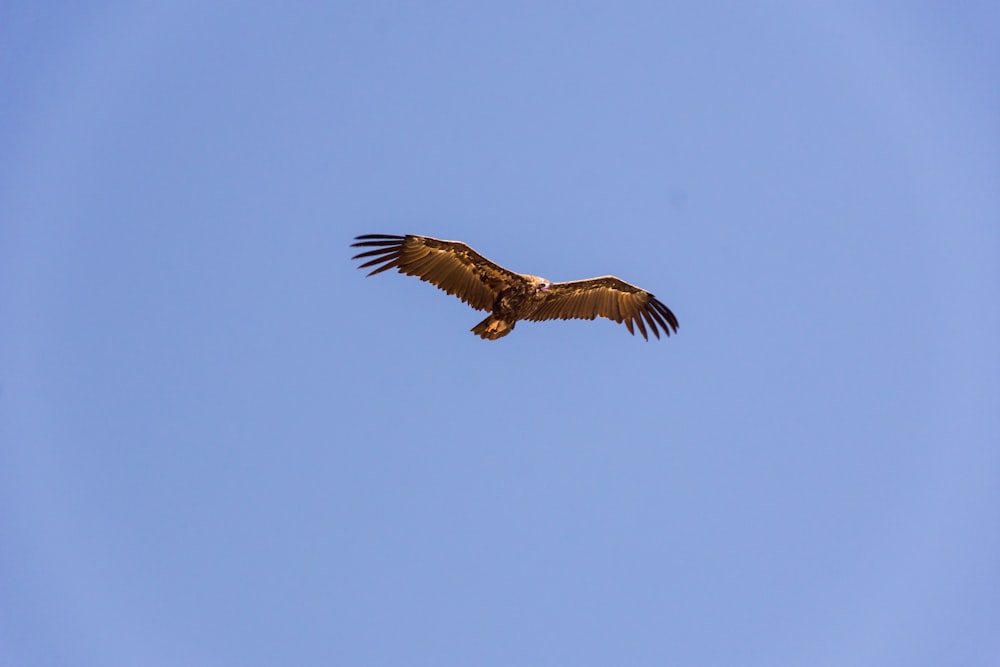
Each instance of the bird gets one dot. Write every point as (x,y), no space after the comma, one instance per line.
(510,297)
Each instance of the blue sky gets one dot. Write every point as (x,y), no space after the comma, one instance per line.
(221,444)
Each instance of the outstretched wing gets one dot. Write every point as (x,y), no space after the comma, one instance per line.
(450,265)
(608,297)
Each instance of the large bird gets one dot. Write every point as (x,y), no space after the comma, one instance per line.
(459,270)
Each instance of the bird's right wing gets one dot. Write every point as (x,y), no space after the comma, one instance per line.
(608,297)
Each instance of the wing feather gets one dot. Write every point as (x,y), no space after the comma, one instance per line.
(642,327)
(449,265)
(650,322)
(608,297)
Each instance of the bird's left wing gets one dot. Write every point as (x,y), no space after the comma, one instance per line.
(608,297)
(450,265)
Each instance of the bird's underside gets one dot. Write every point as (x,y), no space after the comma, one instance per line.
(459,270)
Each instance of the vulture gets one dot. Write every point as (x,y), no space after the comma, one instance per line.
(459,270)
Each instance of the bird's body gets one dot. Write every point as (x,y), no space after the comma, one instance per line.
(459,270)
(511,305)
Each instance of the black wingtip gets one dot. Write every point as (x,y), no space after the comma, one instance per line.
(372,237)
(665,316)
(386,253)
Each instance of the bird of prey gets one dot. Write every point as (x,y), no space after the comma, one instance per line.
(459,270)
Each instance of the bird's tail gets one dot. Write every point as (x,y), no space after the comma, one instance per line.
(492,328)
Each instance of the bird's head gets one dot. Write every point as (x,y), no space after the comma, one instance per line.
(541,284)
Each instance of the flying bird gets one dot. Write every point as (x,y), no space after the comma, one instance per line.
(459,270)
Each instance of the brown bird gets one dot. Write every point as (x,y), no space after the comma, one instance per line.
(458,269)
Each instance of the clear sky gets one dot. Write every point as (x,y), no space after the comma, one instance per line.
(221,444)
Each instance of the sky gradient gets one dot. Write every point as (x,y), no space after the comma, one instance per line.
(221,444)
